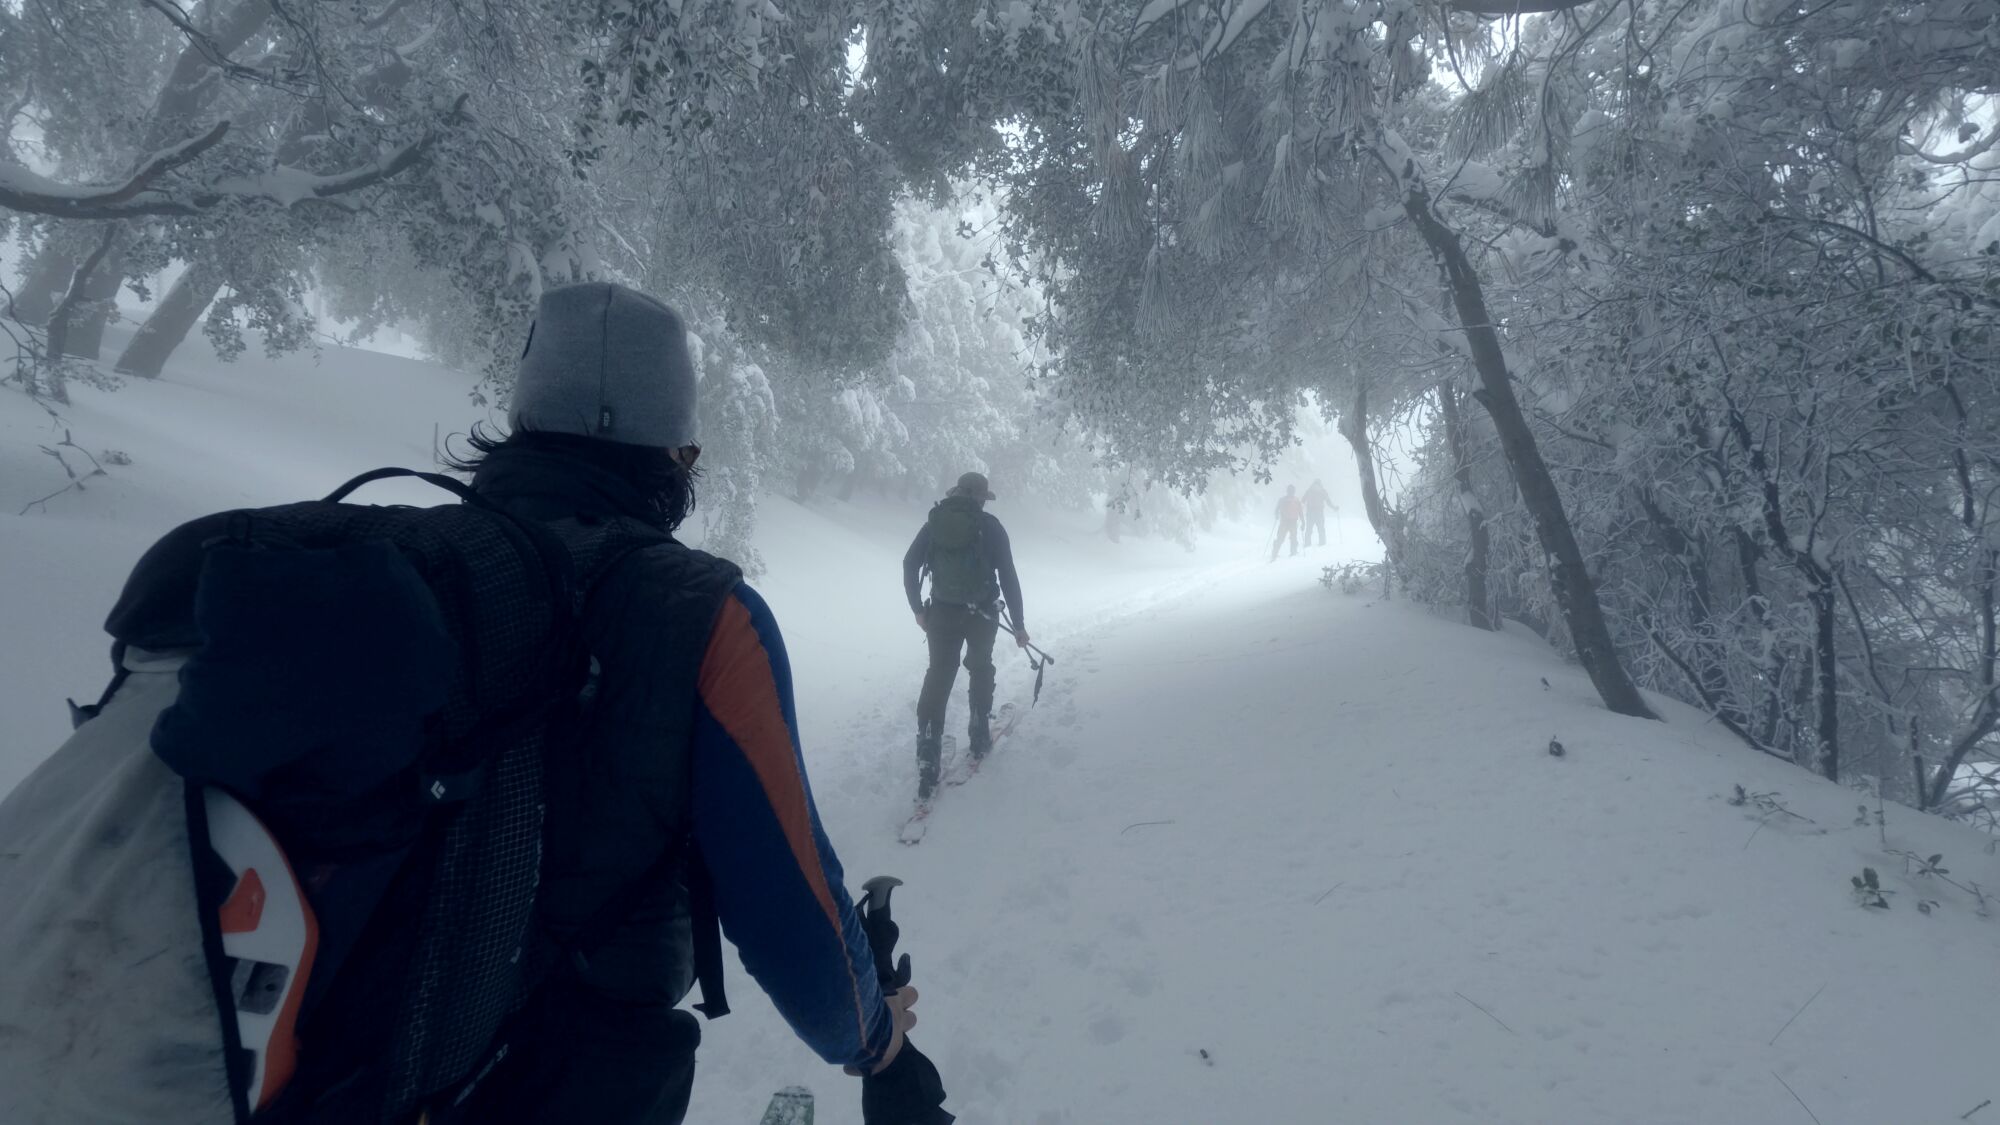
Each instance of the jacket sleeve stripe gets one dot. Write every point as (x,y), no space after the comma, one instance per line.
(745,690)
(739,690)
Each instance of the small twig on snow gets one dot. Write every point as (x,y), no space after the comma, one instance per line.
(1328,891)
(1798,1099)
(1142,824)
(1967,1115)
(1489,1015)
(1800,1012)
(75,481)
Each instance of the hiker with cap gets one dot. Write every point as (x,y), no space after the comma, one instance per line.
(687,800)
(965,551)
(1317,500)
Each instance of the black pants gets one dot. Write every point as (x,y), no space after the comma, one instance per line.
(956,630)
(1315,521)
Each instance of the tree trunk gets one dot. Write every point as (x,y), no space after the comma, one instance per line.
(1984,716)
(187,93)
(1827,668)
(47,279)
(85,335)
(171,319)
(1987,580)
(1574,591)
(1353,426)
(59,321)
(1478,606)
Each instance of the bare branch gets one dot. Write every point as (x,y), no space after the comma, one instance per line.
(1713,706)
(201,40)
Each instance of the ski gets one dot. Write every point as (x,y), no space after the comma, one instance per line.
(792,1105)
(919,821)
(955,769)
(1003,722)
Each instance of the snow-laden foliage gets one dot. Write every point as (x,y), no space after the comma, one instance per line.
(955,394)
(1758,329)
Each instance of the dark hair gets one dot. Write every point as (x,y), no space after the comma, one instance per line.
(666,488)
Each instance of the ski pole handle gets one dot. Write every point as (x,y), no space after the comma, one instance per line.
(880,926)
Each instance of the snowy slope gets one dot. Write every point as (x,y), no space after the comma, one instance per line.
(1323,840)
(1320,839)
(205,436)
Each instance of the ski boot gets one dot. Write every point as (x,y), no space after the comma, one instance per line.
(979,736)
(930,747)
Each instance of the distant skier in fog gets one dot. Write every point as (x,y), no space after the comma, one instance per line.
(1316,499)
(971,564)
(1289,511)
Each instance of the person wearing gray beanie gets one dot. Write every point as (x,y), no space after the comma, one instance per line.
(607,362)
(645,856)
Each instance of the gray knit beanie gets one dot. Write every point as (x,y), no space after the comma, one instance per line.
(604,361)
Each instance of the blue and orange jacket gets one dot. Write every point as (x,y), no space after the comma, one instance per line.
(778,885)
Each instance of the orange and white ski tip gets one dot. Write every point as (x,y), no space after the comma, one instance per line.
(270,935)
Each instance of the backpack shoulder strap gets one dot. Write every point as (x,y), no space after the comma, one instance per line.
(452,485)
(930,545)
(602,549)
(707,937)
(705,923)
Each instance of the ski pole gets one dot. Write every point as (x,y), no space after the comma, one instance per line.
(1030,649)
(882,932)
(909,1091)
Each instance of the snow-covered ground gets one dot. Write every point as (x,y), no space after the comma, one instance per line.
(1262,852)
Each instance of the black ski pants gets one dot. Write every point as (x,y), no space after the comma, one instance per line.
(956,630)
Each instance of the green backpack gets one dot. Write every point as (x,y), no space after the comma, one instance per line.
(960,571)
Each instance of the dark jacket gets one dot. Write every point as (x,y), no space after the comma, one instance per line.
(692,738)
(999,555)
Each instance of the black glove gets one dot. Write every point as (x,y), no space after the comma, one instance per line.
(907,1092)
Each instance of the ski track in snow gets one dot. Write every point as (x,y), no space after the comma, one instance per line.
(1317,837)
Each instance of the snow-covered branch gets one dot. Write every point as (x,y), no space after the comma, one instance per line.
(143,194)
(1515,7)
(23,190)
(1977,148)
